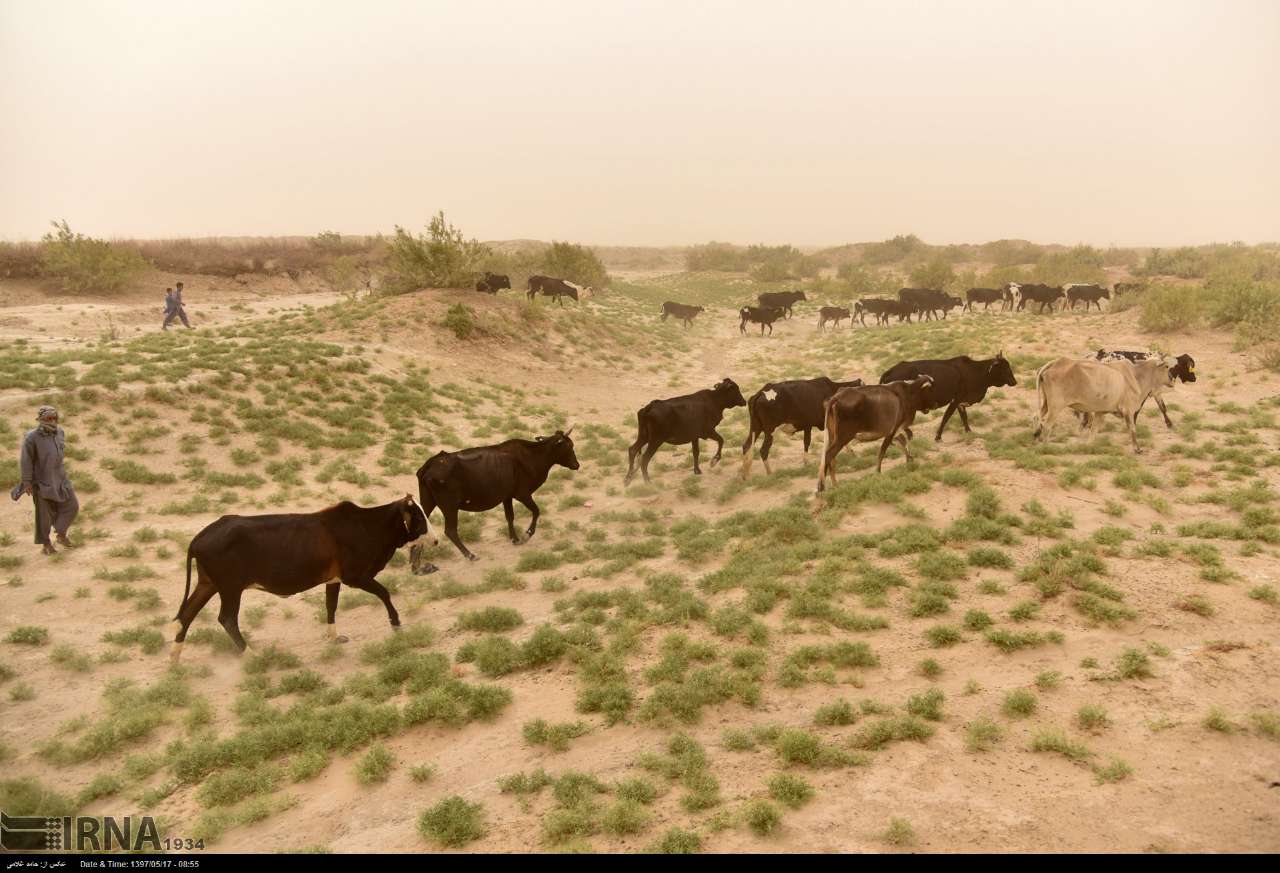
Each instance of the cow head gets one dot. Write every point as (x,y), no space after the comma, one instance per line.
(1185,369)
(728,393)
(799,295)
(561,447)
(415,520)
(923,384)
(571,291)
(999,373)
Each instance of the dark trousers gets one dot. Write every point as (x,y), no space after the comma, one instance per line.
(57,514)
(177,313)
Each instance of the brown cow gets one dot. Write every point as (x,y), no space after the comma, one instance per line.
(1094,387)
(834,314)
(287,554)
(871,412)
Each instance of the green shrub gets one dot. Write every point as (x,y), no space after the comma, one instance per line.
(452,822)
(442,258)
(461,319)
(1169,308)
(84,264)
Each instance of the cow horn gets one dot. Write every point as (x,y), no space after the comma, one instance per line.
(570,430)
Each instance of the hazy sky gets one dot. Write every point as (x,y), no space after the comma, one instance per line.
(647,122)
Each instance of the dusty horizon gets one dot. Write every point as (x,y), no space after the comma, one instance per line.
(1133,124)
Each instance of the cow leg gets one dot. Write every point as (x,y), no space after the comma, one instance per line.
(884,447)
(376,588)
(187,614)
(902,440)
(808,439)
(451,531)
(964,418)
(946,416)
(229,616)
(747,454)
(533,511)
(697,471)
(765,447)
(631,460)
(649,452)
(1163,410)
(719,440)
(331,608)
(1133,431)
(509,511)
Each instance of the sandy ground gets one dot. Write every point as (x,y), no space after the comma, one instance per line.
(1192,789)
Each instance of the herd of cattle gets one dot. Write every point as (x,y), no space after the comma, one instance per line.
(548,286)
(347,544)
(923,303)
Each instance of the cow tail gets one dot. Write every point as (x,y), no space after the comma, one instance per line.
(1041,393)
(828,431)
(186,593)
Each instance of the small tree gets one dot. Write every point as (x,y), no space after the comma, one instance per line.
(442,258)
(83,264)
(936,273)
(576,263)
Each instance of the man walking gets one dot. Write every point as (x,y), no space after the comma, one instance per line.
(173,307)
(45,479)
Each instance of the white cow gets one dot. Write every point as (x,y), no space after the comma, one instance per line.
(1094,387)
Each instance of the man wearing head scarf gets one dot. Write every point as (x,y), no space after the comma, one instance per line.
(45,479)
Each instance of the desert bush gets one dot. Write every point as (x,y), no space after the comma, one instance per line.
(576,263)
(83,264)
(461,319)
(442,258)
(1168,308)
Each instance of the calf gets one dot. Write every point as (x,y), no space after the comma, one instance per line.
(479,479)
(492,283)
(287,554)
(958,383)
(782,299)
(834,314)
(1184,370)
(1045,295)
(680,420)
(985,296)
(1089,294)
(794,405)
(1092,387)
(761,315)
(867,413)
(681,311)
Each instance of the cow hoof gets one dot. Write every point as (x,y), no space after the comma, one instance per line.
(396,628)
(473,557)
(340,639)
(425,569)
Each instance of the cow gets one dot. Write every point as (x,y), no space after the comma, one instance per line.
(1184,370)
(794,405)
(985,296)
(478,479)
(761,315)
(882,309)
(548,286)
(924,301)
(287,554)
(949,303)
(492,283)
(782,299)
(1128,288)
(1094,387)
(958,383)
(1089,294)
(680,420)
(682,311)
(1008,298)
(834,314)
(867,413)
(1045,295)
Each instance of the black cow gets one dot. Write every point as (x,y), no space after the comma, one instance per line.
(985,296)
(1184,371)
(548,286)
(782,299)
(925,301)
(957,382)
(1045,295)
(479,479)
(834,314)
(761,315)
(287,554)
(492,283)
(1089,294)
(795,405)
(950,303)
(1128,287)
(682,311)
(680,420)
(882,309)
